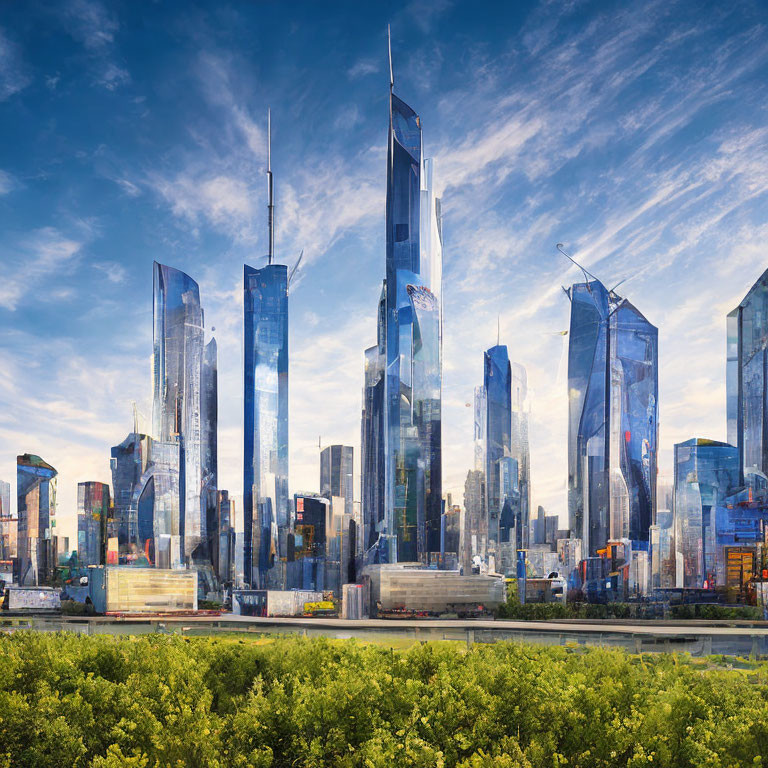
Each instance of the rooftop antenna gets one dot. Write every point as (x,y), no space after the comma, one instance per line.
(389,46)
(135,418)
(586,274)
(270,190)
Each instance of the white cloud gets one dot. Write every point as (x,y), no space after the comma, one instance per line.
(35,257)
(7,183)
(14,76)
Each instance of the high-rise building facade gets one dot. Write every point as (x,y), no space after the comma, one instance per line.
(93,506)
(520,448)
(747,383)
(706,471)
(146,480)
(410,342)
(497,381)
(475,515)
(373,455)
(8,524)
(184,382)
(613,418)
(36,495)
(265,484)
(336,474)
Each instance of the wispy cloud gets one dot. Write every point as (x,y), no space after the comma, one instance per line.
(7,183)
(46,251)
(14,75)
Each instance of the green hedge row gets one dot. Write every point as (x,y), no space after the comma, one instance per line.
(512,609)
(167,701)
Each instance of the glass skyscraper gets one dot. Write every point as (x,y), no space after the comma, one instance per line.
(747,375)
(497,382)
(705,474)
(613,418)
(265,484)
(8,524)
(92,514)
(146,481)
(410,343)
(184,403)
(336,474)
(520,448)
(36,494)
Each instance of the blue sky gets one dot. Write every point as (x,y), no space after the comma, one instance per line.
(636,134)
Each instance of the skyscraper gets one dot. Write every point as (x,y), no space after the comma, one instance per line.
(266,505)
(705,473)
(372,451)
(36,494)
(520,448)
(497,382)
(747,383)
(336,467)
(612,418)
(8,524)
(92,514)
(475,516)
(146,481)
(181,412)
(410,335)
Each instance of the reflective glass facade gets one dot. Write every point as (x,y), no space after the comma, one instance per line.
(92,515)
(266,512)
(184,382)
(497,382)
(412,334)
(336,468)
(8,524)
(520,448)
(613,418)
(705,473)
(146,480)
(36,496)
(747,374)
(373,456)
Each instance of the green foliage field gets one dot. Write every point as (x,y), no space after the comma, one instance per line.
(68,700)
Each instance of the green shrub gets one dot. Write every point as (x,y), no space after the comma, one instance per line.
(101,701)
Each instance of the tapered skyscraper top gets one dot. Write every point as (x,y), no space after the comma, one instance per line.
(270,191)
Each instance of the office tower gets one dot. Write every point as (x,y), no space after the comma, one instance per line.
(519,446)
(662,546)
(210,418)
(705,473)
(372,453)
(36,496)
(480,413)
(475,517)
(146,481)
(266,505)
(336,463)
(497,381)
(747,393)
(93,505)
(8,524)
(410,345)
(181,410)
(307,557)
(224,545)
(612,420)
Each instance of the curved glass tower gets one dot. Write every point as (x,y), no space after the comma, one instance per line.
(412,346)
(36,495)
(265,483)
(706,471)
(613,418)
(184,382)
(747,382)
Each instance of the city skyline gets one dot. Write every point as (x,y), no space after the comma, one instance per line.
(210,221)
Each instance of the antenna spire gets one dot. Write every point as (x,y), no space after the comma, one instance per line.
(270,190)
(585,272)
(389,46)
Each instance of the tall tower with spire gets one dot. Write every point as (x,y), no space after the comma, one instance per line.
(408,358)
(266,511)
